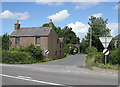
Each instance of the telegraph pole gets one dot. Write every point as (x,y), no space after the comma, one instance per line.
(90,37)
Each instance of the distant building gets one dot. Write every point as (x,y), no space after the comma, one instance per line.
(44,37)
(117,41)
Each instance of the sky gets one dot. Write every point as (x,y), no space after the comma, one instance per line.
(71,14)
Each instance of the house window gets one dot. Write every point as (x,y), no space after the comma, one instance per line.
(60,45)
(37,40)
(17,40)
(57,41)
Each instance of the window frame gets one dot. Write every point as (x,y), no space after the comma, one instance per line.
(17,40)
(37,40)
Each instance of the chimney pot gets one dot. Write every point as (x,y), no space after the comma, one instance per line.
(17,25)
(51,23)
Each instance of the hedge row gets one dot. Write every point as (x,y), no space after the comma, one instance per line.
(15,57)
(35,52)
(27,55)
(113,58)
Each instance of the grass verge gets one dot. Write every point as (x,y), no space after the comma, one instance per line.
(90,63)
(49,60)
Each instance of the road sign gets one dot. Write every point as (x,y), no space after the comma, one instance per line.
(47,51)
(105,41)
(106,52)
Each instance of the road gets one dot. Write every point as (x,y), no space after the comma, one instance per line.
(62,73)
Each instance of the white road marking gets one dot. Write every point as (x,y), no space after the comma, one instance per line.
(49,83)
(24,77)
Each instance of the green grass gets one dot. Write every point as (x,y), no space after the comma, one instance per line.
(50,60)
(90,63)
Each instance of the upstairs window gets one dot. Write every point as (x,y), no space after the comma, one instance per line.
(60,45)
(37,40)
(17,40)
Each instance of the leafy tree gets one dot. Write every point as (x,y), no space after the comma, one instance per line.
(57,29)
(99,29)
(5,42)
(67,50)
(83,45)
(70,36)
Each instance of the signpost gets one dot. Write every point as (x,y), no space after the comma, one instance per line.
(105,42)
(105,52)
(46,52)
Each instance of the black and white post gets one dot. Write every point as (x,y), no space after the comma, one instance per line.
(105,52)
(105,42)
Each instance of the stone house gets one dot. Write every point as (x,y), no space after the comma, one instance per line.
(44,37)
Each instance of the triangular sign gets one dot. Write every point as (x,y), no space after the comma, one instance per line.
(105,41)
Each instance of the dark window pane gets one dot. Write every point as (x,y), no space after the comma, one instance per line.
(17,40)
(37,40)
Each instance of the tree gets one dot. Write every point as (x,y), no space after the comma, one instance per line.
(67,48)
(99,29)
(66,32)
(5,42)
(70,36)
(83,45)
(57,29)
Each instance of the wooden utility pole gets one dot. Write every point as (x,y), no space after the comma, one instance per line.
(90,37)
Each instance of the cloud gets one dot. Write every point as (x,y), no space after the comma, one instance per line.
(117,6)
(114,28)
(9,15)
(79,28)
(50,3)
(84,5)
(60,16)
(96,15)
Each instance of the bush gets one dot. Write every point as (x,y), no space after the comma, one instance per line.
(35,52)
(0,55)
(99,58)
(67,50)
(114,57)
(91,50)
(15,57)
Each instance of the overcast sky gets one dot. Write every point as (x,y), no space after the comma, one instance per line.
(72,14)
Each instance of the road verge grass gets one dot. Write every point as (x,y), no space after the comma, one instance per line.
(90,61)
(45,60)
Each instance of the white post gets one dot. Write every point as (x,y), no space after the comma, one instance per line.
(105,59)
(105,47)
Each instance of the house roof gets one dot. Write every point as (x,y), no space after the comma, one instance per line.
(33,31)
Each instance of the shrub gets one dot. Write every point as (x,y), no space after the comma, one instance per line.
(15,57)
(114,57)
(91,50)
(0,55)
(67,50)
(35,52)
(99,58)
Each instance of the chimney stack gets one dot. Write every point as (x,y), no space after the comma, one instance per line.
(51,23)
(17,25)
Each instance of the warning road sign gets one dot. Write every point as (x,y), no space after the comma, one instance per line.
(105,41)
(105,51)
(47,51)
